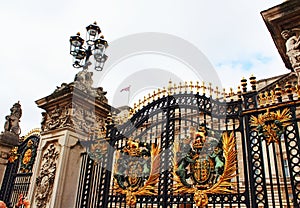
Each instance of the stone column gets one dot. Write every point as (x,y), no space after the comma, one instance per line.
(72,112)
(7,143)
(10,137)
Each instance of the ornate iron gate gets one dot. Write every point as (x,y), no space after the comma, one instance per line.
(18,172)
(273,147)
(185,149)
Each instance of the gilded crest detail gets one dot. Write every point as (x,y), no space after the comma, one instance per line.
(137,170)
(13,154)
(204,164)
(270,125)
(28,157)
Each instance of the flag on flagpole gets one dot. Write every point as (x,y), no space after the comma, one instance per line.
(126,89)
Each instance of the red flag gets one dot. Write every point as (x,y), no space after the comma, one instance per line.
(125,89)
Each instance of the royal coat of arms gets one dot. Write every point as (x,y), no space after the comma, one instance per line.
(136,170)
(205,163)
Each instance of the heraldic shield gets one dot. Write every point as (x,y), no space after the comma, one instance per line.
(136,170)
(204,162)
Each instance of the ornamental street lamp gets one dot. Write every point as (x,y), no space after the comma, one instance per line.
(94,45)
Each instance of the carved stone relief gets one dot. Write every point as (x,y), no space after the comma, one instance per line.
(57,118)
(45,180)
(73,116)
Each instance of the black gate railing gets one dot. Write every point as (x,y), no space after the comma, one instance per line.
(18,173)
(274,166)
(266,151)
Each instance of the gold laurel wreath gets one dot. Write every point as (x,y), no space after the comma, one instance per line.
(223,186)
(149,187)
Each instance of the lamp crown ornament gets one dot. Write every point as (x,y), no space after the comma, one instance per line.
(94,45)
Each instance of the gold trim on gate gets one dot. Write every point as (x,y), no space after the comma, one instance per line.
(33,132)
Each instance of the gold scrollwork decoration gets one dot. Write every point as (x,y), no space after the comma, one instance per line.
(270,125)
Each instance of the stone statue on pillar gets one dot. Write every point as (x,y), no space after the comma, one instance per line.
(84,81)
(12,129)
(12,121)
(292,44)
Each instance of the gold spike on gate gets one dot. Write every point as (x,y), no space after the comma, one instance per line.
(158,93)
(224,94)
(203,88)
(210,89)
(217,92)
(191,86)
(197,87)
(180,87)
(239,93)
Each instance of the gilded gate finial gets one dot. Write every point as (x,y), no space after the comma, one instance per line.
(203,88)
(231,94)
(170,87)
(244,84)
(217,92)
(186,86)
(158,93)
(164,91)
(253,82)
(180,87)
(191,86)
(224,94)
(210,89)
(239,93)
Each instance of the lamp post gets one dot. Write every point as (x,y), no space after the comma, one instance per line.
(82,50)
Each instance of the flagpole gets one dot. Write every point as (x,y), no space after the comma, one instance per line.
(128,95)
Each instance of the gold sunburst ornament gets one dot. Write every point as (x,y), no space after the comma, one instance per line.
(137,171)
(207,168)
(270,125)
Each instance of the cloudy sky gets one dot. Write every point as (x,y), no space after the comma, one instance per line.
(35,42)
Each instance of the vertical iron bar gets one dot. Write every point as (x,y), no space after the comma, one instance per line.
(295,180)
(270,176)
(250,159)
(108,166)
(277,174)
(284,175)
(246,161)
